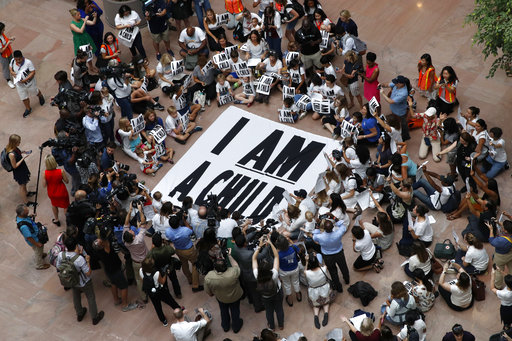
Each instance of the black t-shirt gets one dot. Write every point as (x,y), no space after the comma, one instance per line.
(467,337)
(349,67)
(110,260)
(156,24)
(485,216)
(305,37)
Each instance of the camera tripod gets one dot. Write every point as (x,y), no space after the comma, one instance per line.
(38,176)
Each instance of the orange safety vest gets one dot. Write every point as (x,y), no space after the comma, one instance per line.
(234,6)
(109,50)
(448,96)
(8,51)
(427,79)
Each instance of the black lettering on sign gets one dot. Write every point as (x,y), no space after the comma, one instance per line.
(232,188)
(293,155)
(230,135)
(253,196)
(201,199)
(234,206)
(186,185)
(265,207)
(262,152)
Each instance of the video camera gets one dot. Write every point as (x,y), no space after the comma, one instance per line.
(65,143)
(150,8)
(212,207)
(66,96)
(116,71)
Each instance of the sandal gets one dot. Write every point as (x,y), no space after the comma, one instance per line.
(56,222)
(376,267)
(298,296)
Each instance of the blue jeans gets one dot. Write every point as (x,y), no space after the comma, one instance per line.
(429,190)
(275,45)
(201,10)
(309,107)
(230,316)
(495,167)
(126,107)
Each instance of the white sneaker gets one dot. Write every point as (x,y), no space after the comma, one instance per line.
(302,115)
(11,84)
(208,103)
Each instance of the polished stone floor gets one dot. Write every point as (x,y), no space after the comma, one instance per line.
(33,304)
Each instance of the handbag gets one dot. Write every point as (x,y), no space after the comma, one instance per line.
(478,288)
(437,268)
(43,233)
(199,98)
(444,250)
(175,263)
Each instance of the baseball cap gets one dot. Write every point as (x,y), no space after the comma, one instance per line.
(301,193)
(431,112)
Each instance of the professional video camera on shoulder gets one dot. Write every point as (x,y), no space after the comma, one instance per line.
(70,96)
(212,207)
(116,69)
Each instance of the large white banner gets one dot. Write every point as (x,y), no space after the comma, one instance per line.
(248,162)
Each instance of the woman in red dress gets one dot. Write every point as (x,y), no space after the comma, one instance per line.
(54,180)
(371,77)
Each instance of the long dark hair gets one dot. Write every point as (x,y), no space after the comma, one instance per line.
(313,262)
(453,75)
(418,274)
(450,126)
(363,153)
(418,249)
(338,202)
(321,12)
(124,8)
(257,35)
(385,225)
(492,184)
(108,34)
(427,58)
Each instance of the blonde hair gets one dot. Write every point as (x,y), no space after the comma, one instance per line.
(73,11)
(309,215)
(104,91)
(124,124)
(367,326)
(221,77)
(138,150)
(351,56)
(172,110)
(345,14)
(166,59)
(50,162)
(14,142)
(214,16)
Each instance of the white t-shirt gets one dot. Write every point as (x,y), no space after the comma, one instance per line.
(186,331)
(420,327)
(275,68)
(365,246)
(222,88)
(498,154)
(160,224)
(171,124)
(477,257)
(481,135)
(226,227)
(446,192)
(296,75)
(195,40)
(125,137)
(121,89)
(505,296)
(131,19)
(338,213)
(332,93)
(23,70)
(349,184)
(423,230)
(414,263)
(459,297)
(179,102)
(330,70)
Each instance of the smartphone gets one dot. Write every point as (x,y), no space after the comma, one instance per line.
(494,266)
(28,152)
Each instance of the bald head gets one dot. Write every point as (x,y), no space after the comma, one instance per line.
(202,212)
(80,195)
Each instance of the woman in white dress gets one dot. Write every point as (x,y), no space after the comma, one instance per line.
(320,294)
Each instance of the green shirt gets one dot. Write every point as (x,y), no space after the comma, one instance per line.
(224,285)
(162,255)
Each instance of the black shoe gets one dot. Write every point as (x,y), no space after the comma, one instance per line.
(29,194)
(32,203)
(317,322)
(178,296)
(347,281)
(172,28)
(463,189)
(325,320)
(41,100)
(158,106)
(98,318)
(199,288)
(156,98)
(80,317)
(27,112)
(180,141)
(339,289)
(241,324)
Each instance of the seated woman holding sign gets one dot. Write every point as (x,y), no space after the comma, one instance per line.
(127,21)
(130,139)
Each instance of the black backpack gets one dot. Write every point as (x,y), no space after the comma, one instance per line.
(6,162)
(297,8)
(148,284)
(359,182)
(412,334)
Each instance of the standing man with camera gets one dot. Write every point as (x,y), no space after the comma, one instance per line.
(162,255)
(81,71)
(24,74)
(222,282)
(30,231)
(117,82)
(309,39)
(78,212)
(91,123)
(66,157)
(156,16)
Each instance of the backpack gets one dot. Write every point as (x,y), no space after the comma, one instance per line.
(297,8)
(42,234)
(359,182)
(360,45)
(6,162)
(148,284)
(68,274)
(57,248)
(412,334)
(453,201)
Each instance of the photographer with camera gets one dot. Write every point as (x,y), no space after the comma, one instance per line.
(78,212)
(67,157)
(156,16)
(107,160)
(31,232)
(80,71)
(163,257)
(133,238)
(91,123)
(117,82)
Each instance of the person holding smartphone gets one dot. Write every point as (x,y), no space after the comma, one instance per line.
(20,171)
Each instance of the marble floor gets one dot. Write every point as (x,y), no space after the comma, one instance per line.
(33,304)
